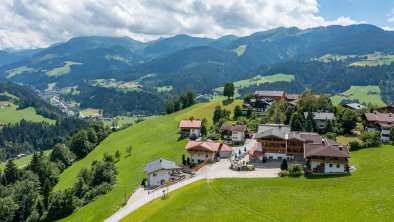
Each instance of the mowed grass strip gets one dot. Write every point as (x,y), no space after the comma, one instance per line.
(363,196)
(12,115)
(22,162)
(153,138)
(365,94)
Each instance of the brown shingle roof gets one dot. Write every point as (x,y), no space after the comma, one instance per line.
(326,148)
(195,124)
(379,117)
(269,93)
(208,145)
(233,127)
(292,97)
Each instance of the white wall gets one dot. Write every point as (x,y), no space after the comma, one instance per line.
(275,156)
(195,157)
(160,175)
(328,169)
(195,131)
(237,136)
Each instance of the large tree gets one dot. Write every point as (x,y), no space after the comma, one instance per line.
(80,144)
(11,173)
(297,122)
(237,112)
(229,90)
(349,120)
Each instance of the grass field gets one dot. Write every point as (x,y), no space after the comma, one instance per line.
(153,138)
(240,50)
(19,70)
(11,115)
(59,71)
(363,196)
(344,140)
(90,112)
(365,94)
(375,59)
(23,161)
(257,80)
(121,120)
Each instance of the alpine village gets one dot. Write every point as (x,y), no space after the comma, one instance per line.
(196,111)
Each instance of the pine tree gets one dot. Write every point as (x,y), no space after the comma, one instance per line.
(229,90)
(237,112)
(217,114)
(283,165)
(11,173)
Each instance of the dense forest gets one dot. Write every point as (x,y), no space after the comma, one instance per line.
(26,136)
(116,102)
(26,193)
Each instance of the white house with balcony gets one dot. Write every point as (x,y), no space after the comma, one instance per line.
(160,171)
(232,133)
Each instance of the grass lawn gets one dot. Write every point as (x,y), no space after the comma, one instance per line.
(344,140)
(153,138)
(23,161)
(11,115)
(59,71)
(89,112)
(365,94)
(257,80)
(122,120)
(364,196)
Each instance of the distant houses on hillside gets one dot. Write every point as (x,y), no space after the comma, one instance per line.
(190,128)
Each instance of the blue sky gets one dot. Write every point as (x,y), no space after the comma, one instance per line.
(376,12)
(38,23)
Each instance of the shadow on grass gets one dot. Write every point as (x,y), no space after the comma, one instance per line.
(329,176)
(227,102)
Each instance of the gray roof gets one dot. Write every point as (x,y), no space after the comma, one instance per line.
(269,93)
(265,127)
(159,164)
(321,116)
(271,132)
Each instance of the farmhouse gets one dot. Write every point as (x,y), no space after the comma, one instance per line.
(200,151)
(274,95)
(320,119)
(233,133)
(5,105)
(386,109)
(354,106)
(190,128)
(260,105)
(381,122)
(292,97)
(324,156)
(160,171)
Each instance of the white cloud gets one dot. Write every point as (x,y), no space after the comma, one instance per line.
(38,23)
(391,16)
(387,28)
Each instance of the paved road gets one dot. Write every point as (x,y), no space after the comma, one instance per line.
(209,171)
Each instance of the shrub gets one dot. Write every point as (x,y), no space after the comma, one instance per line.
(295,170)
(95,192)
(284,173)
(355,145)
(284,165)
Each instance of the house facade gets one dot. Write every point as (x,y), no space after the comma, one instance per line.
(320,119)
(200,151)
(380,122)
(324,156)
(386,109)
(160,171)
(190,128)
(232,133)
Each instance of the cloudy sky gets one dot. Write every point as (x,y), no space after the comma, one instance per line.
(39,23)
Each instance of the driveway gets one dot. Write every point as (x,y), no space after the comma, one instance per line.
(210,171)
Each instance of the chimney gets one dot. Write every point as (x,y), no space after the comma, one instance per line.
(340,148)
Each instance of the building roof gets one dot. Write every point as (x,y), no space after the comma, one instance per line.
(321,116)
(209,146)
(310,137)
(326,148)
(160,164)
(271,132)
(355,106)
(379,117)
(384,108)
(233,127)
(196,124)
(272,93)
(292,97)
(265,127)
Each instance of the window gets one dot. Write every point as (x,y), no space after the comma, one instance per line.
(279,157)
(330,165)
(338,165)
(154,174)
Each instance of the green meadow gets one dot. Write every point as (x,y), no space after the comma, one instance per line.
(153,138)
(365,94)
(12,115)
(366,195)
(22,162)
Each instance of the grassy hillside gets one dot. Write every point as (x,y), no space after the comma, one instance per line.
(23,161)
(12,115)
(363,196)
(150,139)
(365,94)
